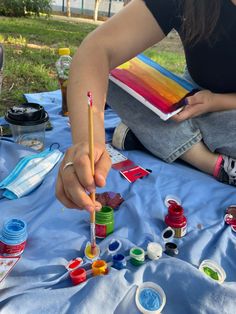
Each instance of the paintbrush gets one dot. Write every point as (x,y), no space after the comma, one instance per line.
(91,156)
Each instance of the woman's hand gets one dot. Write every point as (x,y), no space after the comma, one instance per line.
(200,103)
(75,182)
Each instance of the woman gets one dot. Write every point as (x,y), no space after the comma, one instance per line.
(203,134)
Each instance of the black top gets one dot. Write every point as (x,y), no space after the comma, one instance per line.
(211,65)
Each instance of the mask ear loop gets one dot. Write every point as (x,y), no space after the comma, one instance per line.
(57,146)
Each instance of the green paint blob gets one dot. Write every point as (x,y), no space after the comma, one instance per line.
(211,273)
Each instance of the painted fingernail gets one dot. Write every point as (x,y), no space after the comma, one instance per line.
(186,101)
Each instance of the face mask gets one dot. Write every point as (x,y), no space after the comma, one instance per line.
(29,173)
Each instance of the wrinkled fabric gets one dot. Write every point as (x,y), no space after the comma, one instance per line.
(39,282)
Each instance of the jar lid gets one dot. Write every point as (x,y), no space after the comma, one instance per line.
(74,263)
(114,246)
(150,298)
(26,114)
(171,199)
(168,234)
(64,51)
(230,216)
(211,269)
(88,254)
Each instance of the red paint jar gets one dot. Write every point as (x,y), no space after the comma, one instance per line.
(78,276)
(176,220)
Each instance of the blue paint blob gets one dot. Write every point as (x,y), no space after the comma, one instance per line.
(150,299)
(113,246)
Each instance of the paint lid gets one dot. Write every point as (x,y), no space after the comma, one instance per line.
(154,250)
(230,216)
(88,254)
(74,263)
(168,234)
(150,298)
(171,199)
(211,269)
(114,246)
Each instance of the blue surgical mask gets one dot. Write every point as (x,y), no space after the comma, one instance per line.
(29,173)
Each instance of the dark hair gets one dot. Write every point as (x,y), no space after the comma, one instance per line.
(199,19)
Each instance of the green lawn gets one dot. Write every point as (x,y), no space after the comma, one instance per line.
(31,46)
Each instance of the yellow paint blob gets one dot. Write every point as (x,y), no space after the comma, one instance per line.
(88,252)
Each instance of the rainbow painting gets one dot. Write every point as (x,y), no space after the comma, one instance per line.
(154,86)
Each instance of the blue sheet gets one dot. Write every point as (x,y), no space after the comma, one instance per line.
(39,283)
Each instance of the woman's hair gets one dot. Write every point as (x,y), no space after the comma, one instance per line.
(199,19)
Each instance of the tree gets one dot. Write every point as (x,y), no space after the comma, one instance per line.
(68,13)
(95,12)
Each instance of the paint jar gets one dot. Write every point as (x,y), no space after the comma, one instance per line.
(114,246)
(176,220)
(213,270)
(13,238)
(104,222)
(99,267)
(78,276)
(119,261)
(150,298)
(154,250)
(137,256)
(171,249)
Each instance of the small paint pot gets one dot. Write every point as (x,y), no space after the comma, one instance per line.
(104,222)
(168,234)
(78,276)
(150,298)
(13,238)
(137,256)
(171,249)
(99,267)
(154,250)
(88,252)
(211,269)
(74,263)
(114,246)
(119,261)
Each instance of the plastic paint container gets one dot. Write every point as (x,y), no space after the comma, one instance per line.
(104,220)
(213,270)
(176,220)
(150,298)
(137,256)
(88,253)
(172,199)
(74,263)
(171,249)
(114,246)
(154,250)
(168,234)
(13,237)
(78,276)
(119,261)
(99,267)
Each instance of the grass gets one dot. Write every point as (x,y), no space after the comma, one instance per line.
(31,46)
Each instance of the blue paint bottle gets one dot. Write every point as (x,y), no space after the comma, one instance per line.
(119,261)
(13,237)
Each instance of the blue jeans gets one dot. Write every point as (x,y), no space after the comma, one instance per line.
(168,140)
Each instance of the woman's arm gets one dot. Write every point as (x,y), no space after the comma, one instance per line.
(123,36)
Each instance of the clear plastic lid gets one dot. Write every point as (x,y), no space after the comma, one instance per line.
(211,269)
